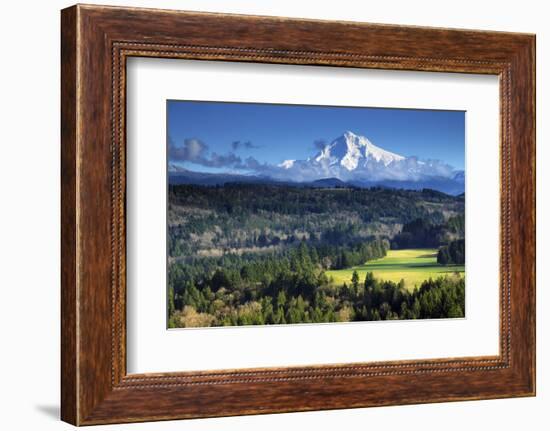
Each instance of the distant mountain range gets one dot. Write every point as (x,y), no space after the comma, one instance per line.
(349,160)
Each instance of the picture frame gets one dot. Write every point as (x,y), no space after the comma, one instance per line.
(96,42)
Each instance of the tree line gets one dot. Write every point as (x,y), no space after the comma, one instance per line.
(367,300)
(453,253)
(292,287)
(423,233)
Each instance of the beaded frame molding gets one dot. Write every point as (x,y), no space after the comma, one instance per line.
(95,43)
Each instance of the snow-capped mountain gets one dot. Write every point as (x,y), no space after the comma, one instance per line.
(354,158)
(350,159)
(351,151)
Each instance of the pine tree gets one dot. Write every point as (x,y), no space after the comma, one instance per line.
(355,281)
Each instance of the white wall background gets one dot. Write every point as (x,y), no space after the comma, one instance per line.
(29,215)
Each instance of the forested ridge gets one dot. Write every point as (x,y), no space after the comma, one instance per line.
(245,254)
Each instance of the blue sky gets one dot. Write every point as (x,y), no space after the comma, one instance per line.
(216,134)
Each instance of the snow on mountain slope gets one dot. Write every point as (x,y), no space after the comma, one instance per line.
(353,158)
(350,151)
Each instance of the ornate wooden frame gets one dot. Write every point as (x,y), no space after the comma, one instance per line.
(95,42)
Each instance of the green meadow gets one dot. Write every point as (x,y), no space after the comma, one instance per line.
(412,265)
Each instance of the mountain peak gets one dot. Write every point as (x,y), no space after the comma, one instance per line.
(349,134)
(351,151)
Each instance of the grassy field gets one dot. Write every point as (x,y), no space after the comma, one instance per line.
(412,265)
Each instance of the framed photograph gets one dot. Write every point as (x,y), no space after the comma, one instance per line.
(266,215)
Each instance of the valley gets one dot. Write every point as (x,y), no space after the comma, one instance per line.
(254,254)
(413,266)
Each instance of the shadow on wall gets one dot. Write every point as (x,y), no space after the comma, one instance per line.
(52,411)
